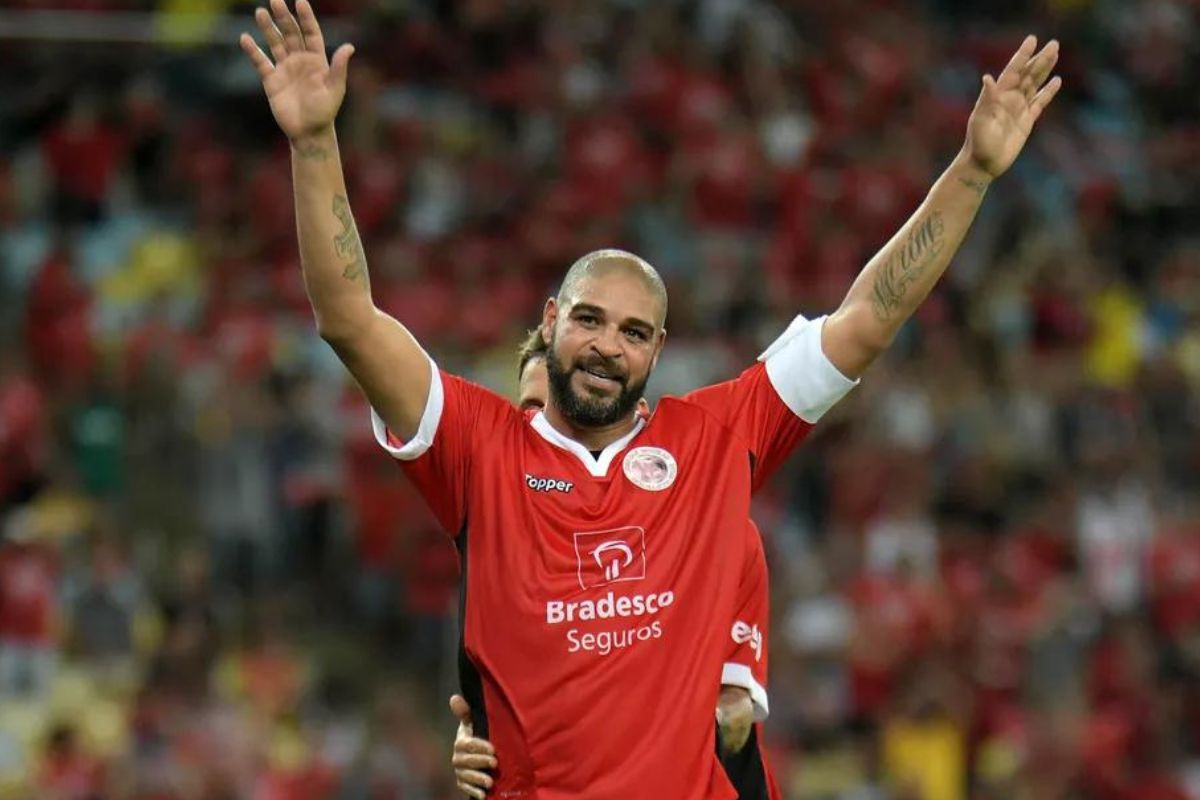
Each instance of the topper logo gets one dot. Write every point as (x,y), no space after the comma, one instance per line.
(604,557)
(548,484)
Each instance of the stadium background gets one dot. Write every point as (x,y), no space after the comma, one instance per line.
(985,566)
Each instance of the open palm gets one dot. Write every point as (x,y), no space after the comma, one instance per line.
(1008,106)
(305,90)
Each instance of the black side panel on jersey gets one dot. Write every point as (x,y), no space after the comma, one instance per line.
(469,681)
(745,769)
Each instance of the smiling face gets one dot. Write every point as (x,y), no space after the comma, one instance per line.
(605,333)
(533,390)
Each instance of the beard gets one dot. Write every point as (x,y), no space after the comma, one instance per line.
(582,408)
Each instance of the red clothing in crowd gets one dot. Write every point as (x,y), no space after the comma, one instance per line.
(58,331)
(28,578)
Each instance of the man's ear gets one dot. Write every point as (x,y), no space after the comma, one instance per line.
(549,319)
(658,347)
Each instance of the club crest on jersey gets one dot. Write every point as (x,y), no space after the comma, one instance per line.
(650,468)
(610,556)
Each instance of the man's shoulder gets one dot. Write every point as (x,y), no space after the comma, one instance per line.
(479,399)
(671,411)
(685,417)
(713,402)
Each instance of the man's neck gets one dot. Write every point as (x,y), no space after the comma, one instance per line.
(592,438)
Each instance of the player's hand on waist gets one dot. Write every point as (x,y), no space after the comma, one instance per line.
(471,755)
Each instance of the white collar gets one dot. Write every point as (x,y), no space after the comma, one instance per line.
(597,467)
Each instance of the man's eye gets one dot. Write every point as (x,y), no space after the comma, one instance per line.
(587,319)
(636,335)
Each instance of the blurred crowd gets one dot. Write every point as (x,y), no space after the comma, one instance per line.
(985,564)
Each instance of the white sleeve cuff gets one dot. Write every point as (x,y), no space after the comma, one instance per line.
(740,675)
(806,380)
(423,440)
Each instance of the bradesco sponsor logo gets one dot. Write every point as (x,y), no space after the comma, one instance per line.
(609,607)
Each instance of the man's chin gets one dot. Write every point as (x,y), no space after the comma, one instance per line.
(590,407)
(596,404)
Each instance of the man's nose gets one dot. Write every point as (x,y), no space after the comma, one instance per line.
(608,342)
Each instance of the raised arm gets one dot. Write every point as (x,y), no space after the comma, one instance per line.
(305,91)
(902,274)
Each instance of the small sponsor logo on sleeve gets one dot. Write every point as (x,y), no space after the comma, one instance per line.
(744,633)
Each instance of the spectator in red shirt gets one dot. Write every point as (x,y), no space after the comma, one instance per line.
(83,155)
(58,322)
(24,434)
(28,584)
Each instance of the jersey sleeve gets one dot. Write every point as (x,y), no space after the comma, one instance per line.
(774,404)
(746,653)
(437,459)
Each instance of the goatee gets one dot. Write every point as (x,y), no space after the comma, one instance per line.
(587,411)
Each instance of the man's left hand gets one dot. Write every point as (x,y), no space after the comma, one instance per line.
(1009,106)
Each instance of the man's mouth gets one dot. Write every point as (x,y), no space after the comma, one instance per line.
(600,378)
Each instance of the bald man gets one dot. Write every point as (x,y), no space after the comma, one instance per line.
(600,549)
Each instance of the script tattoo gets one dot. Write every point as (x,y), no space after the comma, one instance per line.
(979,187)
(347,244)
(902,269)
(311,151)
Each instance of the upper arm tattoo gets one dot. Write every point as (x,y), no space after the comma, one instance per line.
(894,277)
(347,244)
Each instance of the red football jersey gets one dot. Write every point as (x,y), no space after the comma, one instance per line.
(594,585)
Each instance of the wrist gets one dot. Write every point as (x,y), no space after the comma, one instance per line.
(964,170)
(314,145)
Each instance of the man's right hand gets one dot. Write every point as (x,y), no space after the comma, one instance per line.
(471,755)
(304,88)
(735,718)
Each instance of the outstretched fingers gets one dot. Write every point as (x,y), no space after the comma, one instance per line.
(272,35)
(257,57)
(339,65)
(1010,78)
(1043,98)
(292,38)
(309,27)
(1040,66)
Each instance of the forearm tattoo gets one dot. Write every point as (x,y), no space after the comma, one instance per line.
(979,187)
(902,269)
(347,244)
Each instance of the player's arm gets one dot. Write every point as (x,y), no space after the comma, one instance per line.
(305,91)
(471,755)
(902,274)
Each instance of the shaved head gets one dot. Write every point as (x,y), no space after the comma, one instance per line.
(601,262)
